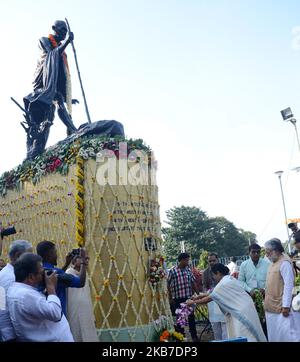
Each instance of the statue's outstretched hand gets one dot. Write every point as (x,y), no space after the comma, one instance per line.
(75,101)
(71,36)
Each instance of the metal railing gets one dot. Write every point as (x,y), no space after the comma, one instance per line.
(224,260)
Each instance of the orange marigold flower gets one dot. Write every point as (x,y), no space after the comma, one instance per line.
(165,335)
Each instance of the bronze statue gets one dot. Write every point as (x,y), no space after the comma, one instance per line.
(51,88)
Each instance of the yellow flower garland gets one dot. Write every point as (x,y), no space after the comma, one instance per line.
(80,201)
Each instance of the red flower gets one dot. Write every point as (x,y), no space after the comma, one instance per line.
(57,163)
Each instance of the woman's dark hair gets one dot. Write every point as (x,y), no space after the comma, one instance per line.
(220,268)
(26,264)
(254,247)
(183,256)
(213,254)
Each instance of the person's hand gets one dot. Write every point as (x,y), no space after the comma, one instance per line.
(51,282)
(71,36)
(84,256)
(75,101)
(285,312)
(252,292)
(262,291)
(189,302)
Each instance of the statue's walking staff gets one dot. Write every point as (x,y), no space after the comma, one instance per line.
(82,90)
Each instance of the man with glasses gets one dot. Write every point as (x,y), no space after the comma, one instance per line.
(253,272)
(283,323)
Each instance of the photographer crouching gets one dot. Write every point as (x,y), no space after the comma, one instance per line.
(48,252)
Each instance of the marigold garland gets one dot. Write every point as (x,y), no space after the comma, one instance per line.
(80,201)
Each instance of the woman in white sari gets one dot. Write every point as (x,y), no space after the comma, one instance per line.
(239,310)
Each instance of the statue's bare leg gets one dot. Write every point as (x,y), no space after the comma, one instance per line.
(65,116)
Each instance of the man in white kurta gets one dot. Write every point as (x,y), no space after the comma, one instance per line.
(283,324)
(7,278)
(35,317)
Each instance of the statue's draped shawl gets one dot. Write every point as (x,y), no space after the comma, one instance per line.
(49,78)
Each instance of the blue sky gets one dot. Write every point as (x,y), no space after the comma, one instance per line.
(202,82)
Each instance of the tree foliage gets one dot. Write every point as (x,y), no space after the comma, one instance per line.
(201,232)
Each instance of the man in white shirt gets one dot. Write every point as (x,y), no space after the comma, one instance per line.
(7,278)
(35,317)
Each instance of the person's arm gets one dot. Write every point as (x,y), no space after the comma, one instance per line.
(69,258)
(63,46)
(286,271)
(199,300)
(42,308)
(194,287)
(243,280)
(205,281)
(79,282)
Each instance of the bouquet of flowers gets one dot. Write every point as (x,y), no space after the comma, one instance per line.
(183,313)
(258,302)
(164,331)
(171,336)
(157,271)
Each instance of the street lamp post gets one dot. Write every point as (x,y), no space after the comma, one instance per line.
(182,246)
(287,116)
(279,174)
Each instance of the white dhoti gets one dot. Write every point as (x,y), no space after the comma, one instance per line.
(283,329)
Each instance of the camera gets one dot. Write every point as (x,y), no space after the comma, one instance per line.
(8,231)
(48,271)
(62,279)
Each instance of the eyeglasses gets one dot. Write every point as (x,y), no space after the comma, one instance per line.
(255,252)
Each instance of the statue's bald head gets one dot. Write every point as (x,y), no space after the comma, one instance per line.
(60,24)
(60,28)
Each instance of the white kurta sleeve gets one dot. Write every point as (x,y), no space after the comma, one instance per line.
(40,307)
(286,271)
(242,278)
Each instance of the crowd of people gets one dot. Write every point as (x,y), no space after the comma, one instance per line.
(233,301)
(40,302)
(44,303)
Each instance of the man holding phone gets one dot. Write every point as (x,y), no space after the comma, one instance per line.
(47,251)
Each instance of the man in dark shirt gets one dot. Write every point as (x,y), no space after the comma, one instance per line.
(47,250)
(208,281)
